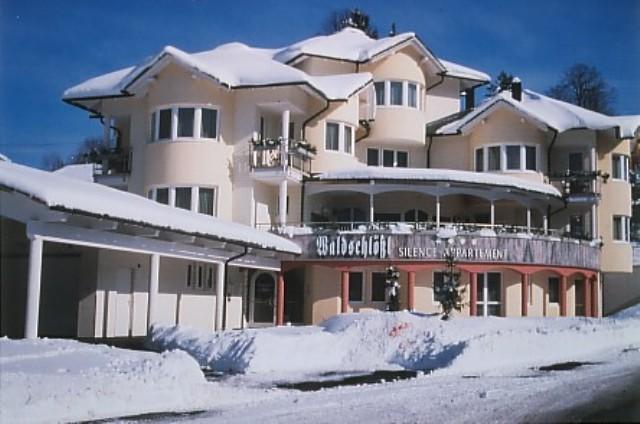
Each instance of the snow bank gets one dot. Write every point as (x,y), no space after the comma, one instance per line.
(64,380)
(375,341)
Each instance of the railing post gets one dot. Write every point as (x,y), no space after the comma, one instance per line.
(437,211)
(473,307)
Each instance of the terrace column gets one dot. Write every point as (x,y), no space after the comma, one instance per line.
(33,288)
(154,284)
(587,297)
(437,211)
(473,280)
(411,285)
(524,294)
(282,203)
(528,220)
(345,292)
(493,214)
(545,224)
(219,296)
(563,296)
(280,301)
(594,298)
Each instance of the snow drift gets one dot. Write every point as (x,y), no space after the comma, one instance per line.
(403,340)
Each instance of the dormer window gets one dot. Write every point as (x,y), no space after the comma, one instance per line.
(184,123)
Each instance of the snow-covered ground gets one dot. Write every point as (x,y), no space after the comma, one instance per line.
(483,370)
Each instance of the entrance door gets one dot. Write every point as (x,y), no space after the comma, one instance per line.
(579,298)
(123,301)
(489,294)
(263,299)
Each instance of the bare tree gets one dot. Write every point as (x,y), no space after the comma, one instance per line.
(355,18)
(503,82)
(583,85)
(52,161)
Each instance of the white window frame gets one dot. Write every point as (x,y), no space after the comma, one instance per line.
(503,158)
(195,196)
(380,151)
(341,141)
(485,292)
(197,122)
(625,228)
(191,277)
(620,162)
(405,94)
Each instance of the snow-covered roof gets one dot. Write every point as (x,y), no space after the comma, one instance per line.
(543,110)
(433,174)
(234,65)
(464,72)
(348,44)
(59,192)
(629,125)
(83,171)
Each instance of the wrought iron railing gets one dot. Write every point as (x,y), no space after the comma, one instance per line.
(115,161)
(272,154)
(579,183)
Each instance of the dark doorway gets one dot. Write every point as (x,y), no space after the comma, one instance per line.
(294,296)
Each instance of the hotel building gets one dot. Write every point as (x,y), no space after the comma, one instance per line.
(364,154)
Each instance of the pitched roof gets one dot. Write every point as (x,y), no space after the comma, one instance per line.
(234,65)
(459,71)
(61,192)
(542,110)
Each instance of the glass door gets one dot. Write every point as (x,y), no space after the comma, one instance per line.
(489,294)
(263,297)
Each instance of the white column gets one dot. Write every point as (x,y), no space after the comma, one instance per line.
(197,122)
(174,123)
(594,222)
(285,138)
(219,296)
(286,117)
(33,288)
(282,203)
(493,214)
(154,284)
(437,211)
(372,211)
(529,220)
(545,223)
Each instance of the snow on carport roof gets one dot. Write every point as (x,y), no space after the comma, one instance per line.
(555,114)
(434,174)
(72,195)
(234,65)
(463,72)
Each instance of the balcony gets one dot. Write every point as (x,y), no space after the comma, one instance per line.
(579,186)
(272,160)
(111,166)
(425,241)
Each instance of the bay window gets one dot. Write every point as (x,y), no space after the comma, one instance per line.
(348,138)
(412,95)
(183,198)
(193,198)
(190,123)
(398,93)
(513,157)
(389,158)
(332,137)
(380,90)
(531,160)
(372,157)
(395,95)
(506,157)
(494,158)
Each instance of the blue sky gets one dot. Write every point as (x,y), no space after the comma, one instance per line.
(48,46)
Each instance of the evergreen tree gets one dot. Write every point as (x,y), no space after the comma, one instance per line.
(503,82)
(449,291)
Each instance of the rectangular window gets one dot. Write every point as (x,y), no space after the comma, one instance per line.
(206,198)
(332,136)
(379,86)
(209,121)
(494,158)
(210,278)
(531,159)
(479,160)
(438,280)
(355,287)
(620,167)
(183,197)
(189,274)
(185,122)
(621,228)
(575,162)
(164,127)
(200,276)
(395,95)
(378,285)
(348,139)
(372,157)
(402,159)
(412,93)
(554,289)
(387,158)
(162,195)
(513,157)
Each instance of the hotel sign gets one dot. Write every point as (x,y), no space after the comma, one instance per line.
(425,247)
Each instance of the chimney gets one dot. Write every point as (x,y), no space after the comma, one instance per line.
(469,99)
(516,89)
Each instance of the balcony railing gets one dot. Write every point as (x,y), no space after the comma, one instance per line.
(579,183)
(116,161)
(271,154)
(445,230)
